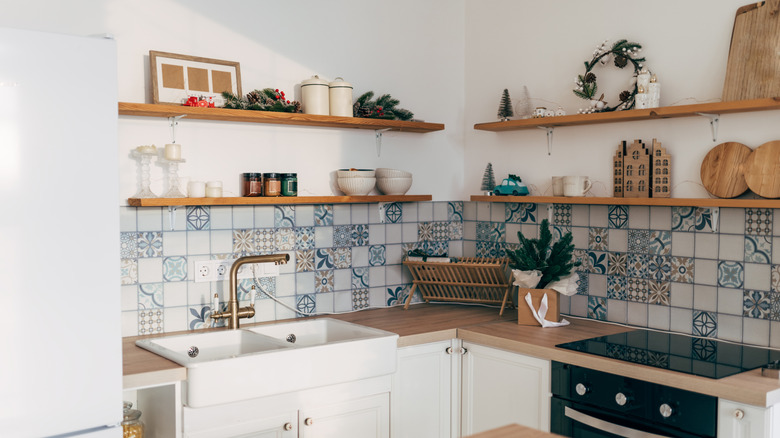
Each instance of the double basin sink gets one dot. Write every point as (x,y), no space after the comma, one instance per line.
(231,365)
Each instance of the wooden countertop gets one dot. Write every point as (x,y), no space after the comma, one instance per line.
(424,323)
(514,431)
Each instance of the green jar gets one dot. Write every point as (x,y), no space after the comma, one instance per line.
(289,184)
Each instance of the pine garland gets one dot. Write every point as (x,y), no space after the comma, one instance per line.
(267,99)
(536,254)
(622,53)
(384,107)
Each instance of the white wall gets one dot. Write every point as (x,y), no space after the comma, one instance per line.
(412,50)
(543,44)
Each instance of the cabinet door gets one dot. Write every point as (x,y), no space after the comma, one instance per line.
(737,420)
(424,396)
(281,425)
(367,417)
(499,388)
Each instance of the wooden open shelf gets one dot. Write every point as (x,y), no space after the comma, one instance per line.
(279,200)
(668,112)
(669,202)
(234,115)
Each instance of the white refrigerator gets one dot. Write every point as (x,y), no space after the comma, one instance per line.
(60,328)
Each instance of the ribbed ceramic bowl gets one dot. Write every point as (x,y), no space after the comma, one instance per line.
(394,186)
(357,186)
(384,172)
(357,173)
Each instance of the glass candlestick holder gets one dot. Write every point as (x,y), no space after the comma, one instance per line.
(173,178)
(144,161)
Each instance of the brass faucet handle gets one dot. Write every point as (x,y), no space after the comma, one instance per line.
(246,312)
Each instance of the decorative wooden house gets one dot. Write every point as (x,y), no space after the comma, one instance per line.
(639,172)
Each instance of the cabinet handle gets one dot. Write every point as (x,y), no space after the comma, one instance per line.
(287,426)
(448,350)
(463,350)
(308,421)
(739,414)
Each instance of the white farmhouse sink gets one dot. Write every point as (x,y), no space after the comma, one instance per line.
(235,365)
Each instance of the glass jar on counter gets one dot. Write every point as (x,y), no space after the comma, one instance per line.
(132,427)
(272,184)
(253,184)
(289,184)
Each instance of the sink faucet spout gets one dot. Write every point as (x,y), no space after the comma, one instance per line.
(234,312)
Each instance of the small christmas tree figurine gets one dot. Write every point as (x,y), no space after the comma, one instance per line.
(488,180)
(505,110)
(524,108)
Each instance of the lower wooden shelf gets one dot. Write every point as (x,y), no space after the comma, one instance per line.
(669,202)
(280,200)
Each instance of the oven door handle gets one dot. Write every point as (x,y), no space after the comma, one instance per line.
(606,426)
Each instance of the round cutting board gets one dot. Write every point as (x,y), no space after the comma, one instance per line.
(722,170)
(762,170)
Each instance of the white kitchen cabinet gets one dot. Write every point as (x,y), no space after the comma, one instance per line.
(500,388)
(359,409)
(425,397)
(738,420)
(160,407)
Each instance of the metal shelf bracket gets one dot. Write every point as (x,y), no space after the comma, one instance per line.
(172,216)
(550,212)
(378,134)
(549,130)
(173,121)
(715,214)
(714,119)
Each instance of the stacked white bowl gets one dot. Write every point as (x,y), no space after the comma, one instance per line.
(356,182)
(393,181)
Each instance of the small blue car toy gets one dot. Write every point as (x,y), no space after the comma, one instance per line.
(511,186)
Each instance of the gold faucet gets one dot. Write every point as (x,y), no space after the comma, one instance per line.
(234,313)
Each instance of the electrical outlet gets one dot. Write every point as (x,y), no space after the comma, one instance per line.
(204,271)
(222,269)
(260,270)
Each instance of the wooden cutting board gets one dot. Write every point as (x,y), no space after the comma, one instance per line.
(722,170)
(762,170)
(754,65)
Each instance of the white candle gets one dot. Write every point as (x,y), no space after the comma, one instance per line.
(196,189)
(214,189)
(173,152)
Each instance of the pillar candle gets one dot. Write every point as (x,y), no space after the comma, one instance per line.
(172,152)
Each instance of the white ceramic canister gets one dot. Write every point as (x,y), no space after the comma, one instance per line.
(314,96)
(340,98)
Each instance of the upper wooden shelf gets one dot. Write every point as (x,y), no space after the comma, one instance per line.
(279,200)
(669,202)
(668,112)
(234,115)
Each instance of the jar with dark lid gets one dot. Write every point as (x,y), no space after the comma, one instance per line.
(272,184)
(132,427)
(289,184)
(253,184)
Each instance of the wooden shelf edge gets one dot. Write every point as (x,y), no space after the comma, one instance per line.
(737,106)
(661,202)
(291,200)
(234,115)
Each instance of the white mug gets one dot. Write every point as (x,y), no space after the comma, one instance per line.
(196,189)
(557,185)
(576,185)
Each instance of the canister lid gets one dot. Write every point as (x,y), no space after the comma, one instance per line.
(270,175)
(314,80)
(252,175)
(340,83)
(289,175)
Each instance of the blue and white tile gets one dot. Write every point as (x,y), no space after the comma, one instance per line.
(359,235)
(393,212)
(455,230)
(424,231)
(342,258)
(705,324)
(284,216)
(659,292)
(659,268)
(150,296)
(756,304)
(360,299)
(149,244)
(455,211)
(562,215)
(616,287)
(128,245)
(304,238)
(616,263)
(151,321)
(598,239)
(731,274)
(304,260)
(397,295)
(636,290)
(704,219)
(597,308)
(660,242)
(342,235)
(520,213)
(306,304)
(243,242)
(758,221)
(597,262)
(198,218)
(128,271)
(618,216)
(440,231)
(324,259)
(377,255)
(583,280)
(323,281)
(636,265)
(323,215)
(175,268)
(683,218)
(638,241)
(682,269)
(775,278)
(758,249)
(265,241)
(360,278)
(284,239)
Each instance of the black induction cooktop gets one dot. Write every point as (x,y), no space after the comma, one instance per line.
(675,352)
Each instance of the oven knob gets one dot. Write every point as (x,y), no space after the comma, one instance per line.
(665,410)
(622,399)
(581,389)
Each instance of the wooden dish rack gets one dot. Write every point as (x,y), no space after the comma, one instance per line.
(469,280)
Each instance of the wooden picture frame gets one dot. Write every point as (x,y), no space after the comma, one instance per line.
(176,77)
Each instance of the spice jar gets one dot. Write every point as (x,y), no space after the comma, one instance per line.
(253,184)
(272,185)
(289,184)
(132,427)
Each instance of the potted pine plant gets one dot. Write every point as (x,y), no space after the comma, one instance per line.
(549,262)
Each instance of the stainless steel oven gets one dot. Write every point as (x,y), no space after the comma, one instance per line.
(594,404)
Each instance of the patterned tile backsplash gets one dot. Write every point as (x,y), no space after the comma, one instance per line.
(657,267)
